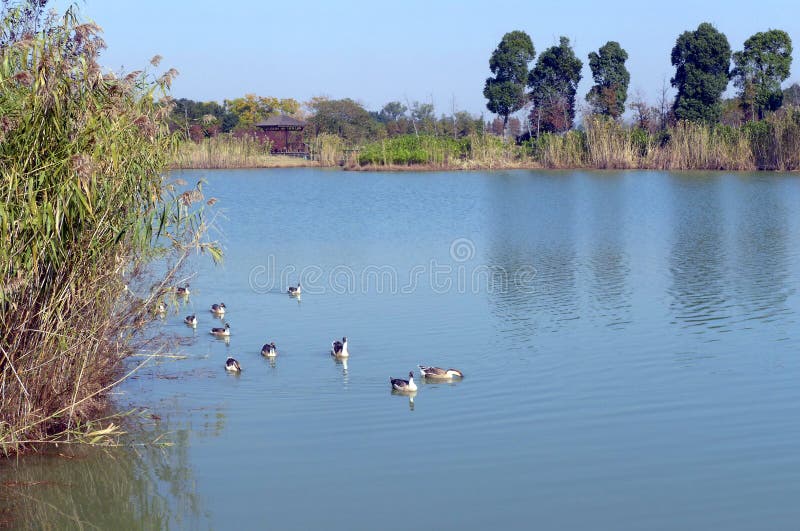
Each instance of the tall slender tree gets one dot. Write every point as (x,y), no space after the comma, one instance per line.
(702,60)
(554,82)
(759,70)
(509,64)
(611,78)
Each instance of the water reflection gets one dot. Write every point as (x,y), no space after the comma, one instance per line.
(117,488)
(408,394)
(698,254)
(533,230)
(760,253)
(608,260)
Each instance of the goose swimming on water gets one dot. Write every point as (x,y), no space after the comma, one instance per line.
(232,365)
(339,348)
(218,309)
(183,291)
(405,386)
(268,350)
(437,373)
(295,290)
(191,320)
(222,332)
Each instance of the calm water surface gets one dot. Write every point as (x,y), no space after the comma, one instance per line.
(630,345)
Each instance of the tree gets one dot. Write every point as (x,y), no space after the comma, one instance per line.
(423,116)
(611,78)
(701,59)
(759,70)
(791,96)
(553,82)
(345,118)
(187,112)
(509,64)
(392,112)
(252,109)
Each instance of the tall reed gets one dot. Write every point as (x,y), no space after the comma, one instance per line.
(775,141)
(84,207)
(694,146)
(328,149)
(227,151)
(609,145)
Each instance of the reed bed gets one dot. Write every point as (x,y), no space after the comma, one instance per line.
(775,142)
(431,152)
(694,146)
(602,143)
(609,145)
(329,150)
(85,208)
(227,151)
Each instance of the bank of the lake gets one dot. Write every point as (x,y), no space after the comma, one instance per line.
(770,145)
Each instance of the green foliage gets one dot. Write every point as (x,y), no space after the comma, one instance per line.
(187,112)
(413,149)
(345,118)
(505,97)
(611,78)
(553,82)
(252,109)
(423,116)
(392,111)
(759,70)
(440,151)
(509,64)
(701,59)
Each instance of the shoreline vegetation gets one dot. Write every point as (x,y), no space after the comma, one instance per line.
(86,213)
(772,144)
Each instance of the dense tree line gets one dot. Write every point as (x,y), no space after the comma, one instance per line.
(345,118)
(545,87)
(702,60)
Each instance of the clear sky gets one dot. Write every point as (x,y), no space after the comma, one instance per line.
(426,50)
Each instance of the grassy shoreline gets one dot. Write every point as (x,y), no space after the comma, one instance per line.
(770,145)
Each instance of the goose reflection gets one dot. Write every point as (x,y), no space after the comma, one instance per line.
(343,363)
(409,394)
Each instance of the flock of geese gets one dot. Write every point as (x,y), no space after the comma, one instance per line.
(338,348)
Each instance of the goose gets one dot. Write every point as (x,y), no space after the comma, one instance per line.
(191,320)
(339,348)
(268,350)
(295,290)
(232,365)
(406,386)
(218,309)
(437,373)
(221,332)
(183,291)
(161,308)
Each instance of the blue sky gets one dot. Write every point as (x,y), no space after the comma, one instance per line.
(375,52)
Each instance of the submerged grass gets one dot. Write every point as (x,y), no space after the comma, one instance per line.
(84,209)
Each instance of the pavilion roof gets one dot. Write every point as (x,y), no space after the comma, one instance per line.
(281,121)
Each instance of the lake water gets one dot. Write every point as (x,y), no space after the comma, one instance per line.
(629,342)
